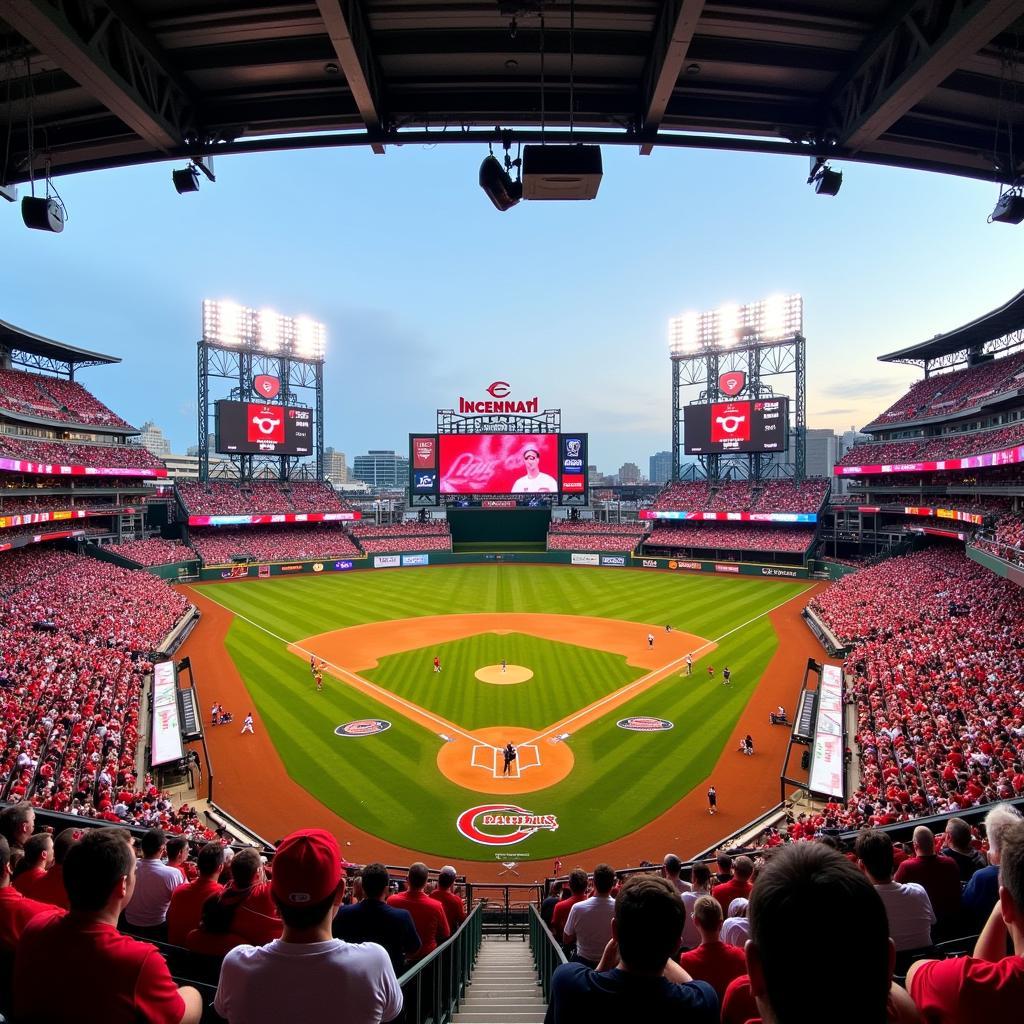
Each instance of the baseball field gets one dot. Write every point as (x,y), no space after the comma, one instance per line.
(572,666)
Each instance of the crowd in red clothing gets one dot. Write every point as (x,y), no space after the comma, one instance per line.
(218,545)
(743,496)
(945,393)
(1006,539)
(618,540)
(58,453)
(713,537)
(219,497)
(948,446)
(935,662)
(153,551)
(54,398)
(75,635)
(21,505)
(404,529)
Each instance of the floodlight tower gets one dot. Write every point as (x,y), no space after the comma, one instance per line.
(754,350)
(260,357)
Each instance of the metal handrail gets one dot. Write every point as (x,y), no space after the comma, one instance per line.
(546,950)
(433,989)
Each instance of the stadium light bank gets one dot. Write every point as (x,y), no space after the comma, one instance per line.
(732,327)
(229,325)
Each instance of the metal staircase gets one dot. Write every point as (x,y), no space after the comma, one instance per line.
(505,988)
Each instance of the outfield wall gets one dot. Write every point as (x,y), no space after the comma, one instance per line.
(327,566)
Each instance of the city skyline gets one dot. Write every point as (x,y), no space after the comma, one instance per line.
(428,293)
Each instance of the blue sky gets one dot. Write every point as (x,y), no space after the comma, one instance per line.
(428,292)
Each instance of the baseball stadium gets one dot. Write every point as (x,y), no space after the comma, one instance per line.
(505,740)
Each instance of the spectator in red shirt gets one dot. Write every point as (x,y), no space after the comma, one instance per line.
(427,914)
(16,910)
(738,885)
(177,856)
(187,901)
(36,862)
(454,908)
(124,980)
(938,876)
(712,961)
(988,986)
(50,888)
(578,890)
(812,907)
(17,823)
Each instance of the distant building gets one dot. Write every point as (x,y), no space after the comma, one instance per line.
(382,468)
(335,466)
(629,473)
(851,438)
(660,468)
(186,467)
(823,452)
(153,440)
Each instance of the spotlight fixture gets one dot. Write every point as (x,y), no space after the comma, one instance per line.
(826,181)
(496,179)
(186,179)
(1009,208)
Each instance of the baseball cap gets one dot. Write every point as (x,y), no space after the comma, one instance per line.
(307,867)
(526,451)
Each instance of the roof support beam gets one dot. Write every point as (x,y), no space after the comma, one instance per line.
(128,76)
(906,60)
(350,37)
(676,26)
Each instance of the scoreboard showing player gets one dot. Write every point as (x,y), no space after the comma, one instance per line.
(740,427)
(261,428)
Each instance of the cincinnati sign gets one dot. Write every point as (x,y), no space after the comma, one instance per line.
(499,402)
(502,824)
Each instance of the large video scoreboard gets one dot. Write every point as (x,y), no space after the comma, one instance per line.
(512,464)
(262,428)
(741,427)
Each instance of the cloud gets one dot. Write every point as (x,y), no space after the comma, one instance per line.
(835,412)
(861,387)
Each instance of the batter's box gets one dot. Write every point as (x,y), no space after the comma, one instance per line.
(491,759)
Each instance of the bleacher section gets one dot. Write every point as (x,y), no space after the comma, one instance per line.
(948,446)
(743,496)
(586,535)
(712,537)
(407,536)
(259,498)
(54,398)
(57,456)
(220,545)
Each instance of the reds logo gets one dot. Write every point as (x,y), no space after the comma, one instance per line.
(512,824)
(266,386)
(642,724)
(731,383)
(499,389)
(363,727)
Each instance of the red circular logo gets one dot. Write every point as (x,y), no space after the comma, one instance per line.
(511,824)
(499,389)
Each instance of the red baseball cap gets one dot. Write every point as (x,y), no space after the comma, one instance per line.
(306,868)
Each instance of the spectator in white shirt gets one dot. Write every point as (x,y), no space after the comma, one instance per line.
(589,925)
(155,882)
(907,906)
(736,927)
(670,868)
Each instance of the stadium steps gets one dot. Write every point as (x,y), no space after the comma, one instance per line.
(505,988)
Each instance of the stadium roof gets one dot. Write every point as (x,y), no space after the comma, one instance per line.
(20,340)
(927,84)
(992,326)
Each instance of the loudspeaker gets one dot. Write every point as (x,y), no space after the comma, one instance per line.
(805,760)
(561,172)
(42,214)
(1009,209)
(829,182)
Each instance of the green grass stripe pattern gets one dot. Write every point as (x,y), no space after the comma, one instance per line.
(389,785)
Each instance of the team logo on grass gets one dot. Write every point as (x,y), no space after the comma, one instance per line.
(363,727)
(502,824)
(645,724)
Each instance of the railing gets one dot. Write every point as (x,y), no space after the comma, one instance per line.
(434,988)
(506,905)
(547,953)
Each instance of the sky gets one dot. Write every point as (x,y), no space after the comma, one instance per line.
(429,293)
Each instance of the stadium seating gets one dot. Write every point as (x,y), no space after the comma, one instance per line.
(935,663)
(21,505)
(61,454)
(585,535)
(709,537)
(948,446)
(153,551)
(261,497)
(53,398)
(407,536)
(71,632)
(217,546)
(743,496)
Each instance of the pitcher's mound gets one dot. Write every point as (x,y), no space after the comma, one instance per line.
(512,674)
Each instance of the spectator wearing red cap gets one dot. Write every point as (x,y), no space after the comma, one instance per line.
(304,973)
(186,907)
(427,914)
(121,979)
(990,985)
(16,910)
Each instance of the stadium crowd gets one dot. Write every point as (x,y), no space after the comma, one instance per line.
(743,496)
(608,540)
(54,398)
(58,453)
(715,537)
(410,528)
(153,551)
(219,545)
(948,446)
(220,497)
(21,505)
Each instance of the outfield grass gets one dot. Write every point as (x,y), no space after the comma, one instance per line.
(389,784)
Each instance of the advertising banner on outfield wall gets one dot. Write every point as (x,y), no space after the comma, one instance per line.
(415,559)
(387,561)
(585,559)
(613,560)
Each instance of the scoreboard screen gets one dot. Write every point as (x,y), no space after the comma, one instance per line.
(743,427)
(260,428)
